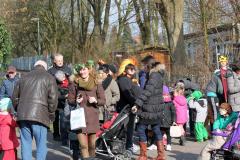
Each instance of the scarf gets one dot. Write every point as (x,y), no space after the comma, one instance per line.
(106,82)
(87,85)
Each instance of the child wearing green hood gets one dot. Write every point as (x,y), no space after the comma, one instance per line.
(196,101)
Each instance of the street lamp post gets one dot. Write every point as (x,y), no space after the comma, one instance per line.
(38,32)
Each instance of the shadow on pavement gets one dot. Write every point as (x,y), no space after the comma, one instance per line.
(183,156)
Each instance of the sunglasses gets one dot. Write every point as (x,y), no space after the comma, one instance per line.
(10,72)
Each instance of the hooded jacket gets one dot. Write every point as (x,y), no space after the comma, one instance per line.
(8,137)
(234,91)
(200,109)
(150,102)
(180,103)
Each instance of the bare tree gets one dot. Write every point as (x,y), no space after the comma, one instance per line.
(172,16)
(100,27)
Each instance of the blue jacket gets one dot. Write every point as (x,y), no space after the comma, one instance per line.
(8,87)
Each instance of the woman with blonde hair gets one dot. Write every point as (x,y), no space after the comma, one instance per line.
(89,94)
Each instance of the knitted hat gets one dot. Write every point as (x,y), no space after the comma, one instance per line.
(227,107)
(5,104)
(196,95)
(112,68)
(104,68)
(165,90)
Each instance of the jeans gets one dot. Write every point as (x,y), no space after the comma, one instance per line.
(28,130)
(130,131)
(141,128)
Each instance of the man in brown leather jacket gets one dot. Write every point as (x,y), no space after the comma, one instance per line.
(35,98)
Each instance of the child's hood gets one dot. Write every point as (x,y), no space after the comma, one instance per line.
(5,119)
(180,100)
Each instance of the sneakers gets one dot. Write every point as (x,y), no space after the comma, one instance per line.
(168,147)
(152,147)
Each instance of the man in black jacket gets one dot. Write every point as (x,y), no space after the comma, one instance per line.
(58,65)
(35,99)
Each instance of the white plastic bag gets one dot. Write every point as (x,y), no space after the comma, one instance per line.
(77,119)
(175,131)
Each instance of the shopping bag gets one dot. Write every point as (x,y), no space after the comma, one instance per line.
(77,119)
(175,131)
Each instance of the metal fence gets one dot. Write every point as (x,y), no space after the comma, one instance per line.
(26,63)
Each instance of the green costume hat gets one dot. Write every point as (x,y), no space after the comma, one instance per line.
(197,95)
(79,66)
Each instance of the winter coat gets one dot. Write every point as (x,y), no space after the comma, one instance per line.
(201,110)
(180,103)
(8,87)
(8,137)
(112,95)
(168,115)
(91,110)
(221,122)
(35,97)
(150,102)
(234,91)
(215,84)
(53,70)
(61,91)
(129,92)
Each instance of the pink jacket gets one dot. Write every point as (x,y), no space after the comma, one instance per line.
(8,137)
(180,103)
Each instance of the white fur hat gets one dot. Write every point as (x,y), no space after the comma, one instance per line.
(41,63)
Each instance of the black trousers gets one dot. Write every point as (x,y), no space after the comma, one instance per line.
(56,125)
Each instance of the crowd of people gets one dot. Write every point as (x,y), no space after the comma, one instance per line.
(45,95)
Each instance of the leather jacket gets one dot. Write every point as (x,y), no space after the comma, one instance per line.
(35,97)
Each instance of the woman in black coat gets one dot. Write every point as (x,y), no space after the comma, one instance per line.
(149,107)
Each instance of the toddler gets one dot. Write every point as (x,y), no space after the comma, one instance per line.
(8,137)
(169,116)
(180,103)
(200,104)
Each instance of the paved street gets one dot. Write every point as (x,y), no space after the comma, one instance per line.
(188,152)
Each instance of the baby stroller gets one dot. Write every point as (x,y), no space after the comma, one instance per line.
(231,149)
(111,141)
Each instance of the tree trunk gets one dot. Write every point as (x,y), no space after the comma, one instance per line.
(144,22)
(204,25)
(172,16)
(73,32)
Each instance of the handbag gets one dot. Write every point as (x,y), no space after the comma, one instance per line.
(175,131)
(77,119)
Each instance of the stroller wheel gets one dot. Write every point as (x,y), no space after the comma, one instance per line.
(118,157)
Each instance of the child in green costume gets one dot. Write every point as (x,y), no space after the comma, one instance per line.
(200,104)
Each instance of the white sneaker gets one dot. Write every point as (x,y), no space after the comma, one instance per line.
(135,148)
(152,147)
(168,147)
